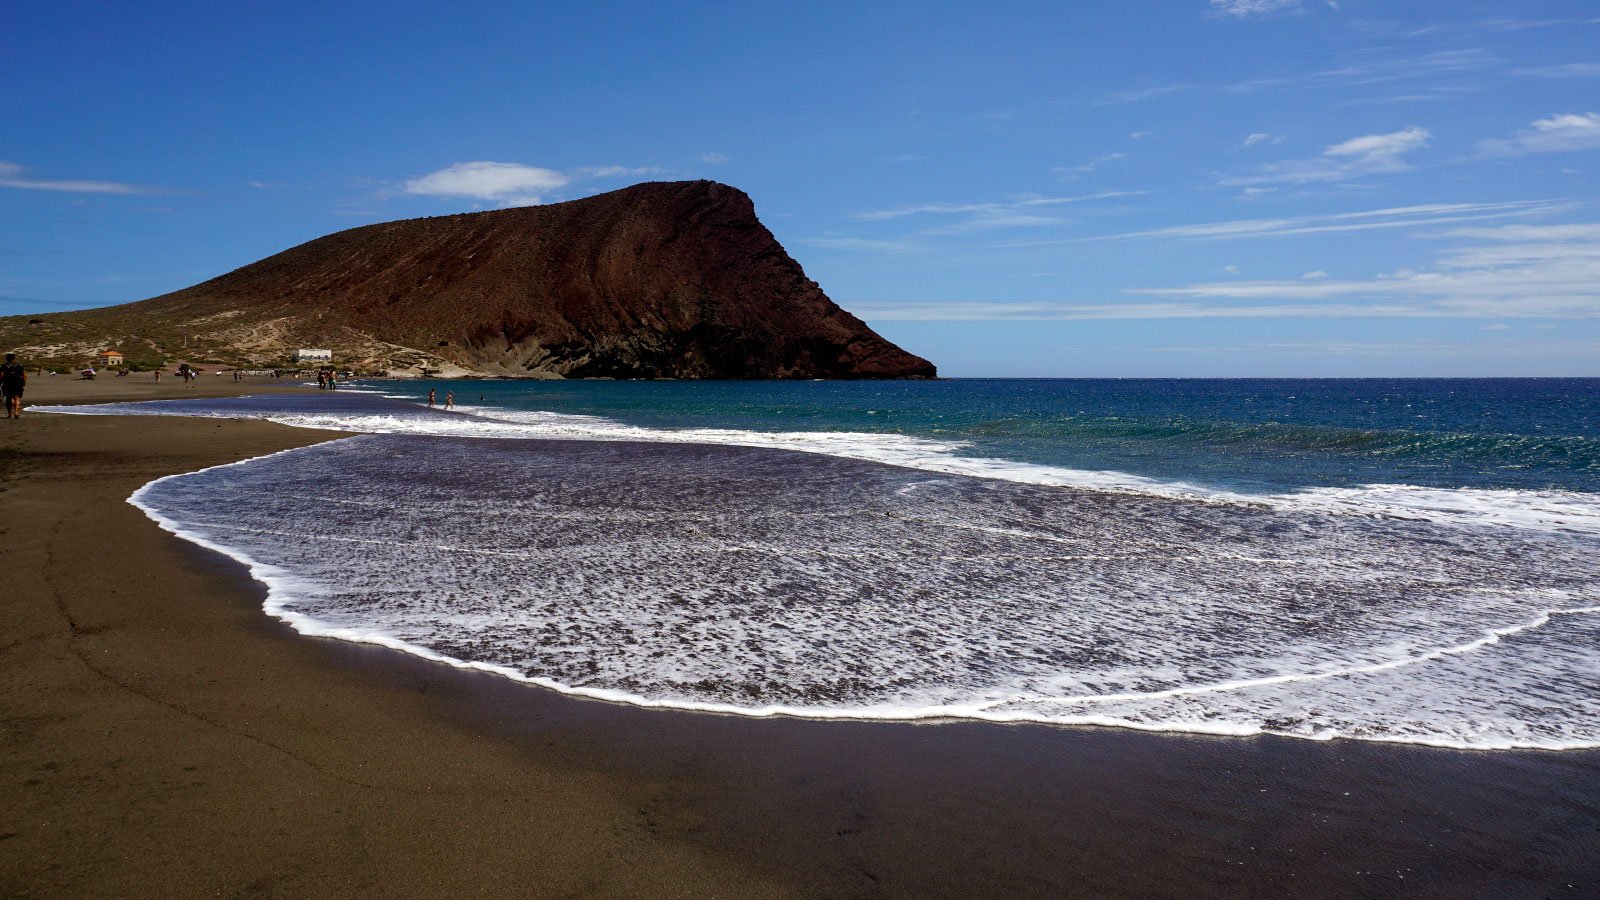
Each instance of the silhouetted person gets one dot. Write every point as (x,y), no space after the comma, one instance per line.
(13,378)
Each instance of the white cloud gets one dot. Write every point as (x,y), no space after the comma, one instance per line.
(1366,220)
(1313,276)
(1372,154)
(1247,8)
(500,182)
(715,159)
(1137,135)
(1260,137)
(15,176)
(1231,270)
(1557,134)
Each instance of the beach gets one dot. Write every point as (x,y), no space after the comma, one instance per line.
(164,736)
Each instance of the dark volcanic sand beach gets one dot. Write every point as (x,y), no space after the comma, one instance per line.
(163,737)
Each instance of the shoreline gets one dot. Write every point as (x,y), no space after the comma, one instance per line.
(166,736)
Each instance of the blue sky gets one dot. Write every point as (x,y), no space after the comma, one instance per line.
(1188,187)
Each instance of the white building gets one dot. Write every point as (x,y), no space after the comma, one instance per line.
(304,355)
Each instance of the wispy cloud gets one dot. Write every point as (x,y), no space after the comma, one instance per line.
(1432,94)
(1507,24)
(1089,166)
(27,305)
(1244,9)
(1383,71)
(1261,137)
(1557,134)
(1474,350)
(1430,214)
(1049,310)
(1566,70)
(1026,211)
(1363,73)
(715,159)
(866,245)
(13,175)
(1372,154)
(1516,271)
(618,171)
(1148,93)
(945,209)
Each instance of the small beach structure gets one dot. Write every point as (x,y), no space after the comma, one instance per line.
(308,355)
(109,359)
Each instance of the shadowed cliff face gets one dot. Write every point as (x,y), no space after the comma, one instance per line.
(670,279)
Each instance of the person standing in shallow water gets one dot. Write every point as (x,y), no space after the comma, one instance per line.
(430,397)
(450,400)
(13,378)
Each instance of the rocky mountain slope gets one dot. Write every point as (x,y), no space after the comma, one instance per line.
(658,280)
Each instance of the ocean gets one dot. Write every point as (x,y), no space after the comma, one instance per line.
(1392,560)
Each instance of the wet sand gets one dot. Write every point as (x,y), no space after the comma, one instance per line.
(162,736)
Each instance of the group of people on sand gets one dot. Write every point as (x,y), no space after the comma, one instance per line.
(449,399)
(327,379)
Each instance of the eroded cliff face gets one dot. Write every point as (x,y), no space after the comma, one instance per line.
(667,279)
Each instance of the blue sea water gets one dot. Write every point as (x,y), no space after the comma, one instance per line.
(1267,434)
(1399,560)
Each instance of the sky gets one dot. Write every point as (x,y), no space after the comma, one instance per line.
(1195,188)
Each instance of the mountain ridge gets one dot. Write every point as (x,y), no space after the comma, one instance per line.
(657,280)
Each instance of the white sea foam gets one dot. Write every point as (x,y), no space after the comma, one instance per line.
(717,578)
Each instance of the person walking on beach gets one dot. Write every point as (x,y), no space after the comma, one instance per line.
(333,380)
(450,400)
(13,378)
(430,397)
(158,376)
